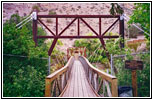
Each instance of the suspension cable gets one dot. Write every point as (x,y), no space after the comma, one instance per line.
(24,20)
(127,19)
(94,51)
(24,23)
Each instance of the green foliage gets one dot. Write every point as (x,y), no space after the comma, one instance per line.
(143,76)
(141,15)
(99,55)
(110,34)
(23,76)
(123,75)
(143,79)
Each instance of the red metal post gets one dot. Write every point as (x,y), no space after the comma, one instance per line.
(78,27)
(99,26)
(121,31)
(52,46)
(103,44)
(34,26)
(56,26)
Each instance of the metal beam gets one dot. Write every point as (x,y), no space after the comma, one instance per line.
(89,26)
(78,16)
(121,32)
(52,46)
(110,27)
(78,26)
(67,26)
(77,37)
(56,26)
(103,44)
(34,31)
(46,27)
(99,26)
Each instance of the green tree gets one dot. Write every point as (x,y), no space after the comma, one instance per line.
(141,16)
(23,77)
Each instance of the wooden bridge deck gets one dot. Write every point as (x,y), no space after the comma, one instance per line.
(78,85)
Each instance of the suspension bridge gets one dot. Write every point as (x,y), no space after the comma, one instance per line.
(78,78)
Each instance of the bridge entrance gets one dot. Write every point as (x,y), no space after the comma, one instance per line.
(59,34)
(78,78)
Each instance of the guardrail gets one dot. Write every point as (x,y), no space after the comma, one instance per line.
(56,82)
(97,78)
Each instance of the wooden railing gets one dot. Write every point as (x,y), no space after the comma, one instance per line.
(100,80)
(56,82)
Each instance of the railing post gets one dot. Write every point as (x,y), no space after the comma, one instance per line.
(114,88)
(47,87)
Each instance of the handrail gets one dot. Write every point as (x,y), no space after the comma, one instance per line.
(94,75)
(59,78)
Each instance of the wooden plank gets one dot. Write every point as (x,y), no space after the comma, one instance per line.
(97,81)
(80,82)
(90,90)
(66,89)
(105,76)
(108,89)
(53,86)
(78,85)
(72,81)
(134,83)
(85,92)
(58,86)
(114,88)
(60,71)
(103,87)
(47,88)
(101,82)
(75,91)
(60,82)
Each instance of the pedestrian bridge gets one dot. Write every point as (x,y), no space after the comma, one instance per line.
(79,78)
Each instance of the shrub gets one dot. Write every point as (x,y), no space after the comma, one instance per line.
(23,76)
(36,7)
(51,12)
